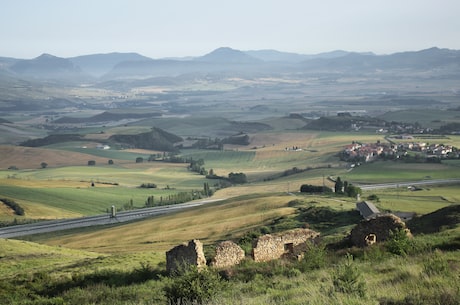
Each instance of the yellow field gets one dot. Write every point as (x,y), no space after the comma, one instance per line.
(209,224)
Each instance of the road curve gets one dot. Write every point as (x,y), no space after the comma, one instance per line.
(105,219)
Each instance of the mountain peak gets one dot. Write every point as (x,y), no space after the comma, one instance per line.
(46,56)
(228,55)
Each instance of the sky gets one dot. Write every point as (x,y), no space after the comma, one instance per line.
(177,28)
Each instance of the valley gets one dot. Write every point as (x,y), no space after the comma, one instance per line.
(242,133)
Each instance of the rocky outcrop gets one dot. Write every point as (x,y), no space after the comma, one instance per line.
(185,255)
(227,254)
(287,244)
(376,230)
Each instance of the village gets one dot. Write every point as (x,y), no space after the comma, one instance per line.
(367,152)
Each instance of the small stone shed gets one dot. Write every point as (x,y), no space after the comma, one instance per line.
(380,226)
(287,244)
(185,254)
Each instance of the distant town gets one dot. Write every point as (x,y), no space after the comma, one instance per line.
(418,151)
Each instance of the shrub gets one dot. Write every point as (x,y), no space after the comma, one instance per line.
(148,185)
(315,257)
(192,286)
(399,243)
(347,279)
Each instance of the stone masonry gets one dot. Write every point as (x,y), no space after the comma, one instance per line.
(227,254)
(274,246)
(185,254)
(376,228)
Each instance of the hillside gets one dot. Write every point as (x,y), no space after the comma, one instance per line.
(47,66)
(440,220)
(100,64)
(31,157)
(106,116)
(157,139)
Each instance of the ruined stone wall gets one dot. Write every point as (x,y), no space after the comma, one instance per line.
(227,254)
(269,247)
(379,226)
(185,254)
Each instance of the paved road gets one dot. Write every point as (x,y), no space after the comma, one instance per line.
(406,184)
(65,224)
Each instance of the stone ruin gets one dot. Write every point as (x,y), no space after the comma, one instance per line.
(267,247)
(227,254)
(185,255)
(287,244)
(375,230)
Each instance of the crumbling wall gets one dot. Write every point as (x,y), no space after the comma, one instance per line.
(185,255)
(227,254)
(274,246)
(380,227)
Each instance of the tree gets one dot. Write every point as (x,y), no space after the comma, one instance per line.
(43,164)
(110,162)
(238,178)
(353,191)
(91,163)
(139,160)
(206,189)
(338,186)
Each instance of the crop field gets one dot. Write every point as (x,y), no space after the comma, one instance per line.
(384,171)
(209,223)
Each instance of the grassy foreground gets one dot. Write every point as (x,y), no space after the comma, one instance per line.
(126,264)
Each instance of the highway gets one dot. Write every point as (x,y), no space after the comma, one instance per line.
(407,184)
(106,219)
(98,220)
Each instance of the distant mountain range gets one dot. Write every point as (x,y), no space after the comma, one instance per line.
(112,66)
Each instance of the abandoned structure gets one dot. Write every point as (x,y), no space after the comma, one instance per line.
(268,247)
(185,254)
(227,254)
(374,230)
(287,244)
(367,209)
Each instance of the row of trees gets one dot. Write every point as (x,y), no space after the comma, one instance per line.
(340,188)
(18,210)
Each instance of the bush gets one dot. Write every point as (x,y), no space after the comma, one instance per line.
(347,278)
(148,186)
(192,286)
(399,243)
(315,257)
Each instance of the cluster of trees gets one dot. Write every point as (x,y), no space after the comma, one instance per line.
(148,186)
(314,189)
(345,188)
(340,188)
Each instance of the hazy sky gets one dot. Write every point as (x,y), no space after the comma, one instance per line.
(163,28)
